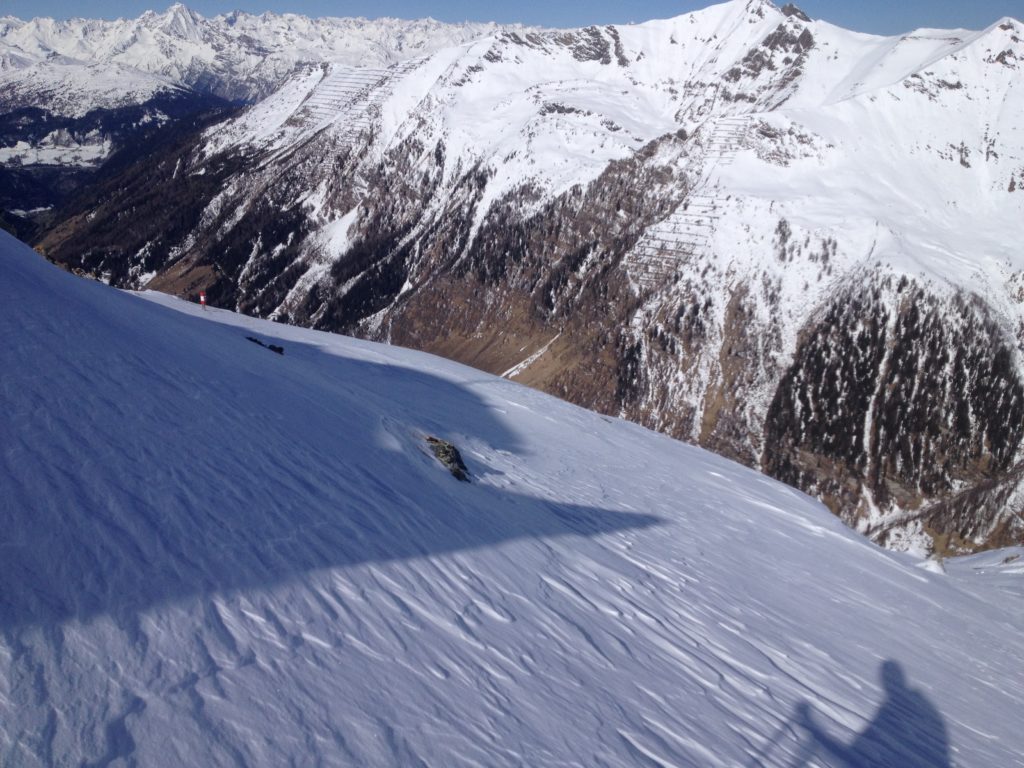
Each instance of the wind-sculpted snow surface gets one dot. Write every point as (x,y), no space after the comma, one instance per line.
(217,555)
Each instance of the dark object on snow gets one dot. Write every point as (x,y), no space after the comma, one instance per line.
(272,347)
(449,455)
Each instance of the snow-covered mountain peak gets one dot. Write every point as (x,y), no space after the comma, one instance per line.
(754,12)
(182,22)
(237,55)
(757,8)
(1008,32)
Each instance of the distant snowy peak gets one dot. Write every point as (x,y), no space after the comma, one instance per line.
(71,69)
(925,52)
(236,56)
(179,21)
(623,86)
(245,56)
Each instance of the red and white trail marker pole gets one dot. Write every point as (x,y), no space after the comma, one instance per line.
(202,299)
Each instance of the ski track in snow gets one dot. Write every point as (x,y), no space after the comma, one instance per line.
(214,555)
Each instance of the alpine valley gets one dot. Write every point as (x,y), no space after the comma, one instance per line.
(82,99)
(792,244)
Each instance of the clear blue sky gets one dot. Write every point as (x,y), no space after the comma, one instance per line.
(881,16)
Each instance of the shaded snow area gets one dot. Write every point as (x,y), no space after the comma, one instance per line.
(211,554)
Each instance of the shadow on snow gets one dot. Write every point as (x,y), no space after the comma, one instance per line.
(907,731)
(150,456)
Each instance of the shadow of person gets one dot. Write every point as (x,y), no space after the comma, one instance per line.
(906,732)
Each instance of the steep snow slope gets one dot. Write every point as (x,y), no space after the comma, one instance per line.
(215,555)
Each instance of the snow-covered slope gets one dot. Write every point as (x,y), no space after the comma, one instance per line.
(791,243)
(216,555)
(71,88)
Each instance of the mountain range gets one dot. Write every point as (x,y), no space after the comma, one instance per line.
(237,56)
(74,93)
(792,244)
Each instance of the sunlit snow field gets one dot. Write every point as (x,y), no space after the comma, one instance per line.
(211,554)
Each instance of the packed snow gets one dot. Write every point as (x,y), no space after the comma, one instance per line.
(217,555)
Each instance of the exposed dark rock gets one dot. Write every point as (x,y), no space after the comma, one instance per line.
(791,10)
(786,39)
(620,52)
(450,457)
(588,44)
(1007,58)
(272,347)
(552,108)
(780,58)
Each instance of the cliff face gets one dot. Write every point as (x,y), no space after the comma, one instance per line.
(898,398)
(739,227)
